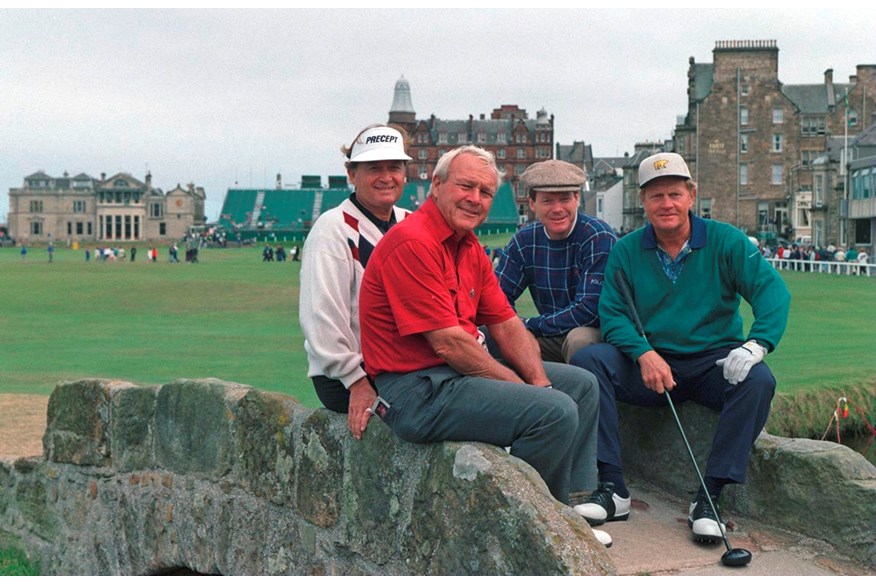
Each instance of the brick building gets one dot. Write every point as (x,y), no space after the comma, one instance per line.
(764,153)
(508,133)
(118,208)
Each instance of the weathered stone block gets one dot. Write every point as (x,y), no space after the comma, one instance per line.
(192,426)
(133,416)
(320,469)
(77,424)
(265,454)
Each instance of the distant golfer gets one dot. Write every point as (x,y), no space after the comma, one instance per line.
(686,275)
(335,254)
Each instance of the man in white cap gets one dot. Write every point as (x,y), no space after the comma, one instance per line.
(686,275)
(560,258)
(335,254)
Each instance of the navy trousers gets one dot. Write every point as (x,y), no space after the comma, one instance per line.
(743,408)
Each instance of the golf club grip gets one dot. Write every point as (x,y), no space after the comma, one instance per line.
(621,281)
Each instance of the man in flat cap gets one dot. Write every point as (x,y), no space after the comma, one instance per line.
(685,277)
(561,259)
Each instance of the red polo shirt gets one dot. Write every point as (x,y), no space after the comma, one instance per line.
(421,277)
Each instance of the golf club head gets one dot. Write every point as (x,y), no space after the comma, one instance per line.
(736,557)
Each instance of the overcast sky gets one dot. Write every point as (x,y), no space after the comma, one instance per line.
(225,97)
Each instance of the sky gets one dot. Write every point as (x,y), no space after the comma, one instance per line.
(232,97)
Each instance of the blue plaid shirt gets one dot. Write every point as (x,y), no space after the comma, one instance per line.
(564,277)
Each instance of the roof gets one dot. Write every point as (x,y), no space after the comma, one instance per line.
(814,98)
(38,174)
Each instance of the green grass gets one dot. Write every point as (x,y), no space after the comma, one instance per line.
(14,563)
(236,318)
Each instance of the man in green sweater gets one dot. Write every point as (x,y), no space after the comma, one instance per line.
(686,275)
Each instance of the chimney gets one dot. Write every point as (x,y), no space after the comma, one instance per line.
(148,181)
(279,181)
(828,87)
(102,176)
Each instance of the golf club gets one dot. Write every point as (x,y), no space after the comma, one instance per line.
(733,557)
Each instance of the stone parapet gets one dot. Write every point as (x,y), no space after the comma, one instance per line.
(219,478)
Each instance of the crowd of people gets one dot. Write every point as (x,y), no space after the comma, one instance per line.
(407,317)
(791,255)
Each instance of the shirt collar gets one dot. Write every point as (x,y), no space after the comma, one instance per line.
(697,234)
(438,225)
(382,225)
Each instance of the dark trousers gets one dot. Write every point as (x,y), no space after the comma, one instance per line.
(743,408)
(332,393)
(554,430)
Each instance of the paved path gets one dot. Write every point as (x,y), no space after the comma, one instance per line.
(657,541)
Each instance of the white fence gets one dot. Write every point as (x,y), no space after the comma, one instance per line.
(821,266)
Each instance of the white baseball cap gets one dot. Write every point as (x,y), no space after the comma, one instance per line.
(662,164)
(381,143)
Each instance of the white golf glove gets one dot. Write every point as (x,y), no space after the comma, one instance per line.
(740,361)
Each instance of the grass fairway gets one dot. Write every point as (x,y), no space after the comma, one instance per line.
(236,318)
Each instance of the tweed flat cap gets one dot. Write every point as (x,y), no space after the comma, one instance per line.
(553,176)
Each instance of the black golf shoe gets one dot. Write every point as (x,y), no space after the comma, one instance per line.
(603,505)
(702,520)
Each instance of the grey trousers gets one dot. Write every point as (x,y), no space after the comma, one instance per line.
(554,430)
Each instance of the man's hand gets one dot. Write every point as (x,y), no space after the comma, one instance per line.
(740,361)
(656,374)
(362,397)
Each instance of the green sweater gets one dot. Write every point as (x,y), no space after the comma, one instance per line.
(700,311)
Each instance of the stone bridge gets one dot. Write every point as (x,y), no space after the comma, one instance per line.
(219,478)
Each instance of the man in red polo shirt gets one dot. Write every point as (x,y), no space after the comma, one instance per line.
(426,289)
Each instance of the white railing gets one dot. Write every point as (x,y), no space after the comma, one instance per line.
(824,267)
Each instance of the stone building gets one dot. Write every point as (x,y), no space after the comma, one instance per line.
(508,133)
(761,151)
(118,208)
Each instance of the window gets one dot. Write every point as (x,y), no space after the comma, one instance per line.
(501,154)
(521,153)
(80,228)
(422,154)
(763,215)
(599,204)
(36,206)
(79,206)
(482,137)
(745,89)
(819,189)
(155,210)
(706,208)
(69,228)
(743,116)
(743,174)
(460,137)
(777,142)
(162,229)
(442,137)
(36,228)
(743,143)
(778,115)
(500,137)
(520,169)
(421,171)
(777,174)
(853,118)
(520,138)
